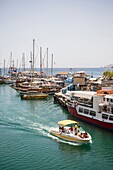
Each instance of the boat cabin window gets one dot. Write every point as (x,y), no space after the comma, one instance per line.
(105,108)
(111,100)
(86,111)
(80,109)
(104,99)
(92,113)
(111,118)
(107,99)
(104,116)
(111,110)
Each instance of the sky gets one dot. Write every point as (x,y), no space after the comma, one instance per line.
(79,33)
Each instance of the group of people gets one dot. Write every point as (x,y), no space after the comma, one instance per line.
(74,130)
(83,135)
(71,129)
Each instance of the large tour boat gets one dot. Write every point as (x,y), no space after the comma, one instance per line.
(93,107)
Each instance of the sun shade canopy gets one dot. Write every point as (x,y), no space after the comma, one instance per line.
(82,94)
(67,122)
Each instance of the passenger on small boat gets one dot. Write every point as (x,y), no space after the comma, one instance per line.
(85,135)
(76,130)
(82,135)
(71,129)
(61,129)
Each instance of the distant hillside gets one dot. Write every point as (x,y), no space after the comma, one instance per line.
(109,66)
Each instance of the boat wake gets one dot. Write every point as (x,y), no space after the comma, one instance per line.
(44,130)
(38,128)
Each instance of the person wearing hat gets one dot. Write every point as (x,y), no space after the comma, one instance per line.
(76,129)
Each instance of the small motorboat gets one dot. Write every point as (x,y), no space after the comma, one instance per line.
(70,130)
(34,96)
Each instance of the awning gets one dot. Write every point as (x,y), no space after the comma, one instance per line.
(67,122)
(82,94)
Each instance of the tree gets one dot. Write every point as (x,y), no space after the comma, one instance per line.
(108,74)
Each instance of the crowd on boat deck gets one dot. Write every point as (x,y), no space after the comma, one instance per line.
(73,130)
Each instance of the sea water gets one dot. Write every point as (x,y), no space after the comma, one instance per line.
(26,143)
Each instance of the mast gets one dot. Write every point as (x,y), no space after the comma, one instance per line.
(23,61)
(17,64)
(31,71)
(4,66)
(52,65)
(47,64)
(40,61)
(33,54)
(31,59)
(10,59)
(10,67)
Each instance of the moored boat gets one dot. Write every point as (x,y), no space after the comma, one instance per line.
(34,96)
(70,130)
(2,81)
(92,107)
(9,81)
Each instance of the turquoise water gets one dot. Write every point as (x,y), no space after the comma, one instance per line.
(26,144)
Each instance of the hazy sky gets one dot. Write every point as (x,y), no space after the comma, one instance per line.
(79,33)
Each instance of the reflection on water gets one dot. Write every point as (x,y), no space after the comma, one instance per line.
(74,148)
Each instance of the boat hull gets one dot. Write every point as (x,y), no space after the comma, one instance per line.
(92,120)
(70,138)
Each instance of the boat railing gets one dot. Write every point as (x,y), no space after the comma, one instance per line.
(71,104)
(86,104)
(76,103)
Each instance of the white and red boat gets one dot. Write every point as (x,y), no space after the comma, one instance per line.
(93,107)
